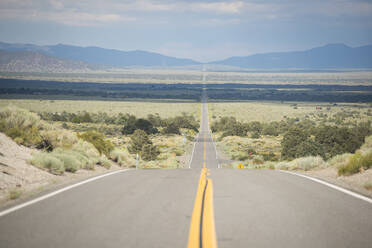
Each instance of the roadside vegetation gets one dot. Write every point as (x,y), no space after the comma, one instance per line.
(319,139)
(68,142)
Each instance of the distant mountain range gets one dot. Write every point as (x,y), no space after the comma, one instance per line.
(29,57)
(329,56)
(102,56)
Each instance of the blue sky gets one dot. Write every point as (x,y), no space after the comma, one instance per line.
(201,30)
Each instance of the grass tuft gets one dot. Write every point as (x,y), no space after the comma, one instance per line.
(15,193)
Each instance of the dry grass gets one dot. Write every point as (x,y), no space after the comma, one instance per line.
(139,109)
(276,111)
(195,76)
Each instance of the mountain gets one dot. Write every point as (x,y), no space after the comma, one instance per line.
(102,56)
(332,56)
(32,61)
(329,56)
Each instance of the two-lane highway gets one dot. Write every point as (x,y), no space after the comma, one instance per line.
(153,208)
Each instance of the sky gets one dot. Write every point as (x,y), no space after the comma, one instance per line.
(201,30)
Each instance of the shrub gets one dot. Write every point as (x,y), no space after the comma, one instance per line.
(129,125)
(149,152)
(97,139)
(170,162)
(352,166)
(171,128)
(269,156)
(283,165)
(21,125)
(368,186)
(15,193)
(104,162)
(185,121)
(308,163)
(138,139)
(337,140)
(72,160)
(298,143)
(145,125)
(241,156)
(89,156)
(339,160)
(55,138)
(255,135)
(268,165)
(122,157)
(49,162)
(355,163)
(367,160)
(367,144)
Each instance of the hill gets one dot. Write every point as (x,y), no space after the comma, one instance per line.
(102,56)
(329,56)
(32,61)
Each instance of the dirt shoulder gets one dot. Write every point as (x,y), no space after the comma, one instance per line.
(358,182)
(19,180)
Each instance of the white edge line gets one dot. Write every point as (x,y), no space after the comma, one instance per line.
(215,148)
(192,153)
(351,193)
(28,203)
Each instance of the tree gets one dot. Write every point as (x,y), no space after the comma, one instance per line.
(141,144)
(291,142)
(145,125)
(138,139)
(171,128)
(149,152)
(337,140)
(155,120)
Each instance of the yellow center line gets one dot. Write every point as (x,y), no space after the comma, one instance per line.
(205,151)
(202,228)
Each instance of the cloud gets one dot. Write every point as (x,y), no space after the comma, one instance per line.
(70,18)
(231,12)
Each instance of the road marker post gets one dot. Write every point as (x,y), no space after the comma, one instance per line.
(137,161)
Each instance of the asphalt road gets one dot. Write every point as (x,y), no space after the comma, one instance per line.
(152,208)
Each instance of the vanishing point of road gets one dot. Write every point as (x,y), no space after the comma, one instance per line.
(154,208)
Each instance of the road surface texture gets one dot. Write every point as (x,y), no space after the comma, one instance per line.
(153,208)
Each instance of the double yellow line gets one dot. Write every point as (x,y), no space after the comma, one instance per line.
(202,229)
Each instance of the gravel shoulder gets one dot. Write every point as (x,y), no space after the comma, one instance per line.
(356,182)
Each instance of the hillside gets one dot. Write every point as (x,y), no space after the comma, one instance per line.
(329,56)
(102,56)
(31,61)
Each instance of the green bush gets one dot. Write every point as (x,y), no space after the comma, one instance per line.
(48,161)
(97,139)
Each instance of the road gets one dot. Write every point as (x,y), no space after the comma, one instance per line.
(153,208)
